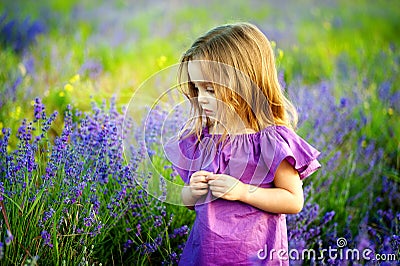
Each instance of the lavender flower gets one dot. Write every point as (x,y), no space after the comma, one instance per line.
(46,216)
(384,91)
(9,238)
(1,191)
(86,163)
(46,238)
(83,182)
(39,109)
(182,231)
(127,245)
(88,221)
(19,35)
(92,68)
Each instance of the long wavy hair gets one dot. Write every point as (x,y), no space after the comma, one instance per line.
(239,62)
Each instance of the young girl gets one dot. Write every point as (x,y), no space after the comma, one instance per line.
(240,159)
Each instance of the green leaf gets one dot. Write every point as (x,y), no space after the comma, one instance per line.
(16,204)
(35,202)
(55,243)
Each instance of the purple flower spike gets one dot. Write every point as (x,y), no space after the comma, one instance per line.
(39,109)
(9,238)
(46,237)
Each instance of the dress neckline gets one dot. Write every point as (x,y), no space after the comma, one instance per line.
(206,131)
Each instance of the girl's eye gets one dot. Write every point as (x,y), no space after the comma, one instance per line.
(210,90)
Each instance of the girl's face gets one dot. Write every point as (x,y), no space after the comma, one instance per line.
(206,94)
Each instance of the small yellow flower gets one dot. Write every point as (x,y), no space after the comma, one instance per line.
(32,103)
(390,111)
(61,94)
(68,87)
(280,54)
(363,144)
(15,114)
(161,60)
(8,149)
(273,44)
(18,112)
(75,78)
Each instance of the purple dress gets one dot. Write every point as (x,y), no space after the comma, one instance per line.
(231,232)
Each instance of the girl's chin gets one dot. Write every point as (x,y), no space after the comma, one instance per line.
(211,116)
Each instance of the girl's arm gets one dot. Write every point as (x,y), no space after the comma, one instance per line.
(195,189)
(285,197)
(187,198)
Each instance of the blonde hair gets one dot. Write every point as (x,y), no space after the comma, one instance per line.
(239,60)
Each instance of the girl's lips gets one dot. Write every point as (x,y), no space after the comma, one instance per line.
(207,111)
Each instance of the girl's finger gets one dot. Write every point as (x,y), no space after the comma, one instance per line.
(216,188)
(200,192)
(200,186)
(202,173)
(215,182)
(217,194)
(212,177)
(198,178)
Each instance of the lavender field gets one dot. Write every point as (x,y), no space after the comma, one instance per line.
(83,176)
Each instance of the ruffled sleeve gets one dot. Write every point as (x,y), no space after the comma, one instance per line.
(281,143)
(252,158)
(188,155)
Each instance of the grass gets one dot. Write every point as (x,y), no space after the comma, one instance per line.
(94,50)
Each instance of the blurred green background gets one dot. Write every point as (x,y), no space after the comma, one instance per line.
(115,45)
(73,52)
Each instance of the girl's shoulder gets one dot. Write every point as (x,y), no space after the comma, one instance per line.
(270,145)
(277,134)
(269,131)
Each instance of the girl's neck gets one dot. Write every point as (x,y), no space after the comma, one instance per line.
(220,129)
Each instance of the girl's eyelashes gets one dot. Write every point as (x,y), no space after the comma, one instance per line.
(210,89)
(207,88)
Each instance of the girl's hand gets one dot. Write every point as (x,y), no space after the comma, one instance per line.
(226,187)
(198,183)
